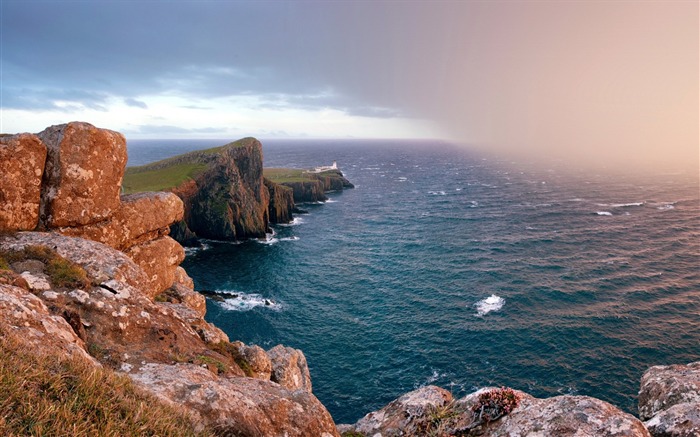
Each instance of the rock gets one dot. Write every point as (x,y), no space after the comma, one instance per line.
(33,266)
(307,191)
(281,202)
(159,259)
(190,298)
(140,218)
(665,386)
(22,159)
(402,416)
(83,175)
(231,201)
(36,282)
(257,359)
(289,368)
(182,278)
(566,416)
(237,405)
(669,400)
(28,317)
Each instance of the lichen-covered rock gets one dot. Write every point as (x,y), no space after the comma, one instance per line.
(238,406)
(402,416)
(669,399)
(83,174)
(289,368)
(182,278)
(140,218)
(258,361)
(159,259)
(566,416)
(22,159)
(28,317)
(281,202)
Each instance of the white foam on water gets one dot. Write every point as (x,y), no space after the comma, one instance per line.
(331,201)
(246,302)
(489,304)
(437,193)
(603,213)
(295,238)
(625,205)
(193,250)
(402,179)
(473,204)
(666,207)
(295,221)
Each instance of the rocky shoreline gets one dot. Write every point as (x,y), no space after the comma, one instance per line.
(121,301)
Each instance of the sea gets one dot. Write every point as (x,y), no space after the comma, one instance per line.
(448,267)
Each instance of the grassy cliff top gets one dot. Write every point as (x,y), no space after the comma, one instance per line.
(171,172)
(286,175)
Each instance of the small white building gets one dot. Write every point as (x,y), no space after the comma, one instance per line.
(325,168)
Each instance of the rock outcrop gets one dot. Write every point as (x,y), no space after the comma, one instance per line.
(315,185)
(22,159)
(281,205)
(669,400)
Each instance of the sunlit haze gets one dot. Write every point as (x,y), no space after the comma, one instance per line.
(607,83)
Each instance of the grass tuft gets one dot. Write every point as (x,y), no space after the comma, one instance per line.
(61,272)
(41,394)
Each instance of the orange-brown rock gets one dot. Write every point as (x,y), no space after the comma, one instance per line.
(289,368)
(22,159)
(159,259)
(139,218)
(83,175)
(238,406)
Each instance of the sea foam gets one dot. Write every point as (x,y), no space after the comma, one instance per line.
(491,303)
(246,302)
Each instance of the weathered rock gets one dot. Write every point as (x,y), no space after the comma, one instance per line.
(257,359)
(680,420)
(140,218)
(22,159)
(289,368)
(27,316)
(665,386)
(669,400)
(230,202)
(401,416)
(83,174)
(182,278)
(281,202)
(307,191)
(190,298)
(159,259)
(238,406)
(566,416)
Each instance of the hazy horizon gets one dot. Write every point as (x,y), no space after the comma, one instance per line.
(599,84)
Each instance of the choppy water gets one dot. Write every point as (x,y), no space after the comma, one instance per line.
(444,268)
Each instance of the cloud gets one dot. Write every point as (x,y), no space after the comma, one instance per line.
(135,103)
(166,131)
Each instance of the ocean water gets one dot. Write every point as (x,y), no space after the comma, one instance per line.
(446,267)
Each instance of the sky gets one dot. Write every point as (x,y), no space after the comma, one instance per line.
(600,82)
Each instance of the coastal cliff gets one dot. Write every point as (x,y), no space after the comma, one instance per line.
(309,186)
(90,279)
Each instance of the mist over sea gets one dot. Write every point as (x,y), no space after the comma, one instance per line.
(446,267)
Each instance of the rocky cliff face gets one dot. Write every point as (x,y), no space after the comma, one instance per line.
(318,184)
(281,204)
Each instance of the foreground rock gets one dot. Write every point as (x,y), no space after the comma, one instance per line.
(432,411)
(669,400)
(22,159)
(83,174)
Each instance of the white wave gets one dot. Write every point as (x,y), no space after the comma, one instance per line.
(295,238)
(576,199)
(666,207)
(402,179)
(491,303)
(458,189)
(331,201)
(624,205)
(437,193)
(269,238)
(603,213)
(473,204)
(193,250)
(246,302)
(295,221)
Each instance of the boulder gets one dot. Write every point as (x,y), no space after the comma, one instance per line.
(289,368)
(22,159)
(258,361)
(83,175)
(238,405)
(159,259)
(669,400)
(182,278)
(140,218)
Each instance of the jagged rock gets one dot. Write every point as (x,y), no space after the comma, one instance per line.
(28,317)
(230,202)
(289,368)
(159,259)
(566,416)
(401,416)
(190,298)
(307,191)
(182,278)
(238,406)
(83,174)
(22,159)
(140,218)
(36,282)
(257,359)
(669,400)
(281,202)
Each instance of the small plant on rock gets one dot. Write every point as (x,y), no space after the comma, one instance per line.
(494,404)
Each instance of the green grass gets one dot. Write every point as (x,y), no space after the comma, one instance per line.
(136,181)
(282,175)
(44,395)
(61,272)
